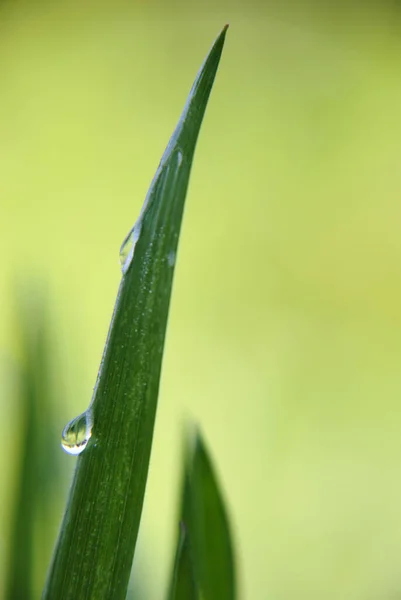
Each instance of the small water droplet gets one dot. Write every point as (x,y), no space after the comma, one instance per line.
(171,258)
(128,246)
(160,178)
(77,433)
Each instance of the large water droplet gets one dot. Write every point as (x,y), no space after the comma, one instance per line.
(77,433)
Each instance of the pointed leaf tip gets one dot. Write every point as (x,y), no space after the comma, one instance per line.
(204,513)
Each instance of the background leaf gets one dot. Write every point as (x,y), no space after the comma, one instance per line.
(94,552)
(209,553)
(39,479)
(183,586)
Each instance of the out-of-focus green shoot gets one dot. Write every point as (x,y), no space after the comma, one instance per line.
(204,564)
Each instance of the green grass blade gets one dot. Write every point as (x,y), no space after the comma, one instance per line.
(38,476)
(205,517)
(183,585)
(95,548)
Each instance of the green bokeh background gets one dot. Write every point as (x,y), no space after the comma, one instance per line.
(284,334)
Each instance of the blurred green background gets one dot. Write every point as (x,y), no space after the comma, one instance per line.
(284,338)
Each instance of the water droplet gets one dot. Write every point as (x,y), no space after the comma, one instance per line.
(160,178)
(128,246)
(77,433)
(171,258)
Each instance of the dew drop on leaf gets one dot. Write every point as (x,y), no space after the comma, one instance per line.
(171,258)
(128,246)
(77,433)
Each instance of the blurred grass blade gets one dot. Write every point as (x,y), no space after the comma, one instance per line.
(183,585)
(94,552)
(38,475)
(206,521)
